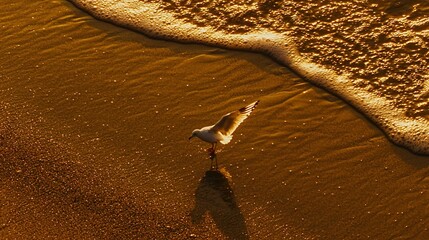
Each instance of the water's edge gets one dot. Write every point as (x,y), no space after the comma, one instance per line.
(411,133)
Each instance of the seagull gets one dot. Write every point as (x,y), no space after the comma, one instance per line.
(223,129)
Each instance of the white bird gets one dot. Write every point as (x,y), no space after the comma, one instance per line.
(223,129)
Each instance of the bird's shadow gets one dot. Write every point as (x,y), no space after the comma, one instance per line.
(215,196)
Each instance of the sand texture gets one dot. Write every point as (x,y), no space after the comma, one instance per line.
(94,127)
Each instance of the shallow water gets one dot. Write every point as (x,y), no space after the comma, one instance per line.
(383,45)
(372,55)
(94,130)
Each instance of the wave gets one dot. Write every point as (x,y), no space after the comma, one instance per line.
(362,52)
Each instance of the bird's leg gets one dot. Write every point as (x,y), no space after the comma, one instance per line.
(212,149)
(213,161)
(212,157)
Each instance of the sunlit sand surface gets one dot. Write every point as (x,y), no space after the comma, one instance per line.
(93,143)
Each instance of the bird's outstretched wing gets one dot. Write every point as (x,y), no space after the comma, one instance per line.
(229,122)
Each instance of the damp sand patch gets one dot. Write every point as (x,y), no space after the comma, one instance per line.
(411,132)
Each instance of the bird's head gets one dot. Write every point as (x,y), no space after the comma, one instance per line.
(194,133)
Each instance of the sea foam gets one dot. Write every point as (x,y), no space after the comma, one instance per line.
(408,130)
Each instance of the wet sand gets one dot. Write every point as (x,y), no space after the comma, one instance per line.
(94,127)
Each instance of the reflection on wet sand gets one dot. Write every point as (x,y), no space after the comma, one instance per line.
(215,196)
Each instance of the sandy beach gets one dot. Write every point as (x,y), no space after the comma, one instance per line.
(94,127)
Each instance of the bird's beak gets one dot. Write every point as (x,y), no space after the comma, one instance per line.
(190,138)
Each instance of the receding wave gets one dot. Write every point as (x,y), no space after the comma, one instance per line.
(373,54)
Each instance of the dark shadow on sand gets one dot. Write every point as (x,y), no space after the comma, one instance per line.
(214,196)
